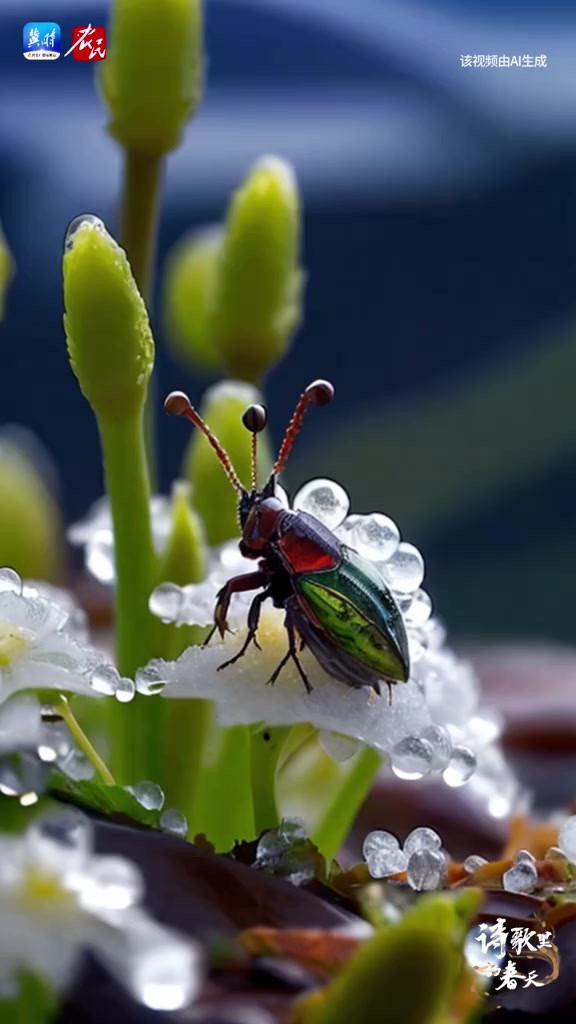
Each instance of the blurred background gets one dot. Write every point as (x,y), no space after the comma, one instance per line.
(439,241)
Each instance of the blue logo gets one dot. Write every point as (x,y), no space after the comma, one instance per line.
(41,40)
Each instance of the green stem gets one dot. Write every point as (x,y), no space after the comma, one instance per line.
(266,751)
(186,726)
(134,732)
(63,708)
(139,211)
(345,801)
(222,808)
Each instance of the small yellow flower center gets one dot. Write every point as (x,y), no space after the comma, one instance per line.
(42,890)
(12,643)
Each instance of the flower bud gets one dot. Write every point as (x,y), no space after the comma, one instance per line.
(215,499)
(110,344)
(152,78)
(257,293)
(188,288)
(6,271)
(31,534)
(184,560)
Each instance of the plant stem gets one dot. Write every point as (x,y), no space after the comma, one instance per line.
(345,802)
(266,750)
(133,729)
(139,210)
(63,708)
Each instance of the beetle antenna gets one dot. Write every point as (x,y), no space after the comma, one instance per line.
(320,392)
(178,404)
(254,419)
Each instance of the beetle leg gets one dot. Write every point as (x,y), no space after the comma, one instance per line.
(237,585)
(253,620)
(291,653)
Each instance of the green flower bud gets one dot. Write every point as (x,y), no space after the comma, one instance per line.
(152,78)
(215,499)
(109,339)
(257,295)
(6,271)
(184,560)
(31,534)
(188,288)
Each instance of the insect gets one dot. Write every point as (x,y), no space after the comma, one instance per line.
(335,602)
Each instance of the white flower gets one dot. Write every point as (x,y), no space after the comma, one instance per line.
(430,724)
(36,650)
(95,534)
(58,899)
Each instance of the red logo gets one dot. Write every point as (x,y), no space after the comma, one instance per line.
(88,42)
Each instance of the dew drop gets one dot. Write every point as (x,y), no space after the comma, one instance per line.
(421,839)
(148,794)
(292,829)
(474,862)
(411,757)
(426,870)
(173,821)
(524,856)
(114,883)
(379,841)
(125,690)
(521,877)
(419,609)
(326,500)
(567,838)
(76,766)
(441,745)
(100,556)
(105,680)
(461,767)
(554,853)
(404,571)
(10,581)
(375,537)
(166,602)
(149,681)
(88,219)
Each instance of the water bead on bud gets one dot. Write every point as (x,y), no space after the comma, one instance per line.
(419,610)
(521,877)
(474,862)
(404,571)
(173,821)
(411,757)
(149,680)
(567,838)
(114,884)
(148,794)
(10,581)
(421,839)
(426,870)
(461,767)
(85,219)
(326,500)
(375,537)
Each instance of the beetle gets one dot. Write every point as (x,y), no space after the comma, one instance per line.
(335,602)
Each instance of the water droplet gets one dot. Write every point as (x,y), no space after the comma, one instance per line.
(165,975)
(419,610)
(426,870)
(421,839)
(326,500)
(441,745)
(28,799)
(474,862)
(61,839)
(554,853)
(113,884)
(105,680)
(411,757)
(404,571)
(375,537)
(521,877)
(340,748)
(291,829)
(567,838)
(173,821)
(166,602)
(461,767)
(88,219)
(125,690)
(269,850)
(524,856)
(55,741)
(149,680)
(379,841)
(10,581)
(100,556)
(76,766)
(148,794)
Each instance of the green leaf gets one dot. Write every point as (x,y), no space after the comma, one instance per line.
(113,801)
(35,1003)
